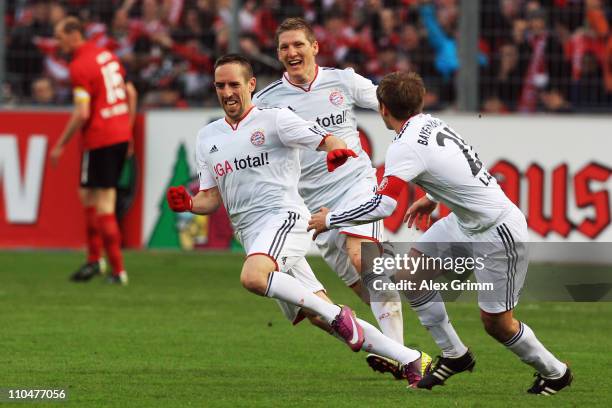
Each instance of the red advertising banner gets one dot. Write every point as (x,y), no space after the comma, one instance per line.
(39,203)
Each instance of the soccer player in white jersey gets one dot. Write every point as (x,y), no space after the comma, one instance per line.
(249,162)
(328,97)
(426,151)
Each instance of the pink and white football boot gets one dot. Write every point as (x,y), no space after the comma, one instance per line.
(346,326)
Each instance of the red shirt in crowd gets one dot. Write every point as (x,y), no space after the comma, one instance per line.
(97,74)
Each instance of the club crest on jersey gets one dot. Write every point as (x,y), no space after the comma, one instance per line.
(383,184)
(258,138)
(336,97)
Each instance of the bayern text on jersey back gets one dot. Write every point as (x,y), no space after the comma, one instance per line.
(255,163)
(431,154)
(97,73)
(329,101)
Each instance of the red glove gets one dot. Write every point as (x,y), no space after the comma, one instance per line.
(338,157)
(179,199)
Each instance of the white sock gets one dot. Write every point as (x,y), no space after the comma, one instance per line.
(288,289)
(377,343)
(432,314)
(386,305)
(389,318)
(526,345)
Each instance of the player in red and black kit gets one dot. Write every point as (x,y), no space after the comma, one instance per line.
(104,112)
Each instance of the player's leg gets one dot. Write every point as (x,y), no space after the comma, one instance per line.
(553,375)
(506,268)
(345,243)
(107,163)
(332,246)
(281,272)
(92,229)
(430,309)
(412,363)
(95,263)
(360,291)
(111,235)
(260,275)
(273,248)
(428,304)
(386,306)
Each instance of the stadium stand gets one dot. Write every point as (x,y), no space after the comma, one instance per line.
(544,56)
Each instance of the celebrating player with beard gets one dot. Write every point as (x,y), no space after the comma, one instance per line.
(249,162)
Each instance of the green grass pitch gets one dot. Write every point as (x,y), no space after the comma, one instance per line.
(185,334)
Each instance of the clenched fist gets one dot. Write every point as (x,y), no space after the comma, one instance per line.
(179,199)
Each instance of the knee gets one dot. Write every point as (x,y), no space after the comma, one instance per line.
(490,325)
(86,196)
(497,326)
(253,281)
(255,273)
(353,250)
(105,201)
(356,261)
(360,290)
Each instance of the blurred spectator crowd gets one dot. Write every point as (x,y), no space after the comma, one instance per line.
(534,55)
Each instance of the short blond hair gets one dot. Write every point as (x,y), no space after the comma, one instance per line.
(295,23)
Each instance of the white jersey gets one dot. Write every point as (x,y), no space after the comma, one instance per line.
(255,163)
(429,153)
(329,101)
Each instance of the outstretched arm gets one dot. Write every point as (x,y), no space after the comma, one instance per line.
(331,142)
(296,132)
(205,202)
(379,206)
(337,153)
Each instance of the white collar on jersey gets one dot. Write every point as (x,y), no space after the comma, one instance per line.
(303,86)
(244,115)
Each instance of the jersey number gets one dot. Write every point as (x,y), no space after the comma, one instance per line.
(113,81)
(469,154)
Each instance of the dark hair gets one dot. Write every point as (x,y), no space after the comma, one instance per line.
(295,23)
(71,24)
(402,94)
(236,59)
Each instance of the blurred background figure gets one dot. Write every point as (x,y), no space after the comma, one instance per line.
(525,48)
(43,91)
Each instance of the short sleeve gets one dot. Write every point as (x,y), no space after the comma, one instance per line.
(403,162)
(79,79)
(364,92)
(260,102)
(207,179)
(294,131)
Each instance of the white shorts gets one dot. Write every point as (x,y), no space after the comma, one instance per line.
(285,240)
(502,248)
(332,244)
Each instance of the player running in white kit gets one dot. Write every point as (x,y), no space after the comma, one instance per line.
(249,162)
(427,152)
(328,96)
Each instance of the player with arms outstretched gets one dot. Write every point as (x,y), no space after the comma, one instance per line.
(104,112)
(427,152)
(249,162)
(328,96)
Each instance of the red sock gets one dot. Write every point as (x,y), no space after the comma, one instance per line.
(94,239)
(112,241)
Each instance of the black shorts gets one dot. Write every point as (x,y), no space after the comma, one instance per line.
(101,168)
